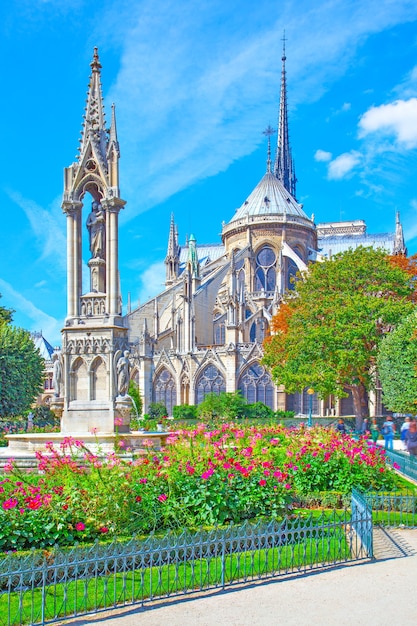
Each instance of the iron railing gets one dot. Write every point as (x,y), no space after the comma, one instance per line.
(403,462)
(44,587)
(393,509)
(362,521)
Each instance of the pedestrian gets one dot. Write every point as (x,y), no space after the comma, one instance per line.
(365,426)
(341,427)
(374,430)
(403,432)
(411,438)
(388,431)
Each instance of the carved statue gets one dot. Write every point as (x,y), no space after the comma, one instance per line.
(96,226)
(57,375)
(123,373)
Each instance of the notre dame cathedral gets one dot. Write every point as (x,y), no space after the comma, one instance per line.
(204,332)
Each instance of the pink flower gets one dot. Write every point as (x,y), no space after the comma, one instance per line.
(162,497)
(80,526)
(118,421)
(262,482)
(11,503)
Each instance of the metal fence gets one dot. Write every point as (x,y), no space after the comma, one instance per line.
(393,509)
(362,521)
(45,587)
(403,462)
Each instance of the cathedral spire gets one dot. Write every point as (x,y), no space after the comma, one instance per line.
(94,127)
(268,132)
(284,166)
(399,243)
(172,258)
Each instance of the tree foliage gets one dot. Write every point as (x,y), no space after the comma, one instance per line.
(226,405)
(21,371)
(397,367)
(327,334)
(134,393)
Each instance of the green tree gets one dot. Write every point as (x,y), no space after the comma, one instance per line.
(397,367)
(327,334)
(225,404)
(6,315)
(134,393)
(21,371)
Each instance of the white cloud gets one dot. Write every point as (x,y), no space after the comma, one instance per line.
(48,227)
(152,281)
(198,100)
(343,165)
(40,320)
(322,155)
(398,118)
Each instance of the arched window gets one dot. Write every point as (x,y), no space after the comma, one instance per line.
(256,385)
(292,270)
(265,273)
(211,380)
(98,380)
(300,403)
(164,390)
(79,377)
(258,330)
(219,329)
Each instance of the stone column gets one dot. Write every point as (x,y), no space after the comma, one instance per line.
(73,212)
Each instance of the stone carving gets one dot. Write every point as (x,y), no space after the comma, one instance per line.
(57,380)
(96,225)
(123,373)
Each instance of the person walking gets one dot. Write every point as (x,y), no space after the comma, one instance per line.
(388,431)
(403,432)
(365,427)
(411,438)
(374,430)
(341,427)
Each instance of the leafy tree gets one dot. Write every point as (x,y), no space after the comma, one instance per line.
(225,404)
(21,370)
(157,410)
(397,367)
(134,393)
(328,332)
(6,315)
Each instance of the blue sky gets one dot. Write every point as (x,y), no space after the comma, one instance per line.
(195,83)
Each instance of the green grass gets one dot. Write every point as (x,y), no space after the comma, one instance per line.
(312,549)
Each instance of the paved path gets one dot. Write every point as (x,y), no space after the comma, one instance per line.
(378,593)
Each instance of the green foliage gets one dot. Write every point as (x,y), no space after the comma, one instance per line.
(157,410)
(44,417)
(334,323)
(6,315)
(227,405)
(258,410)
(21,371)
(185,412)
(397,367)
(134,393)
(280,414)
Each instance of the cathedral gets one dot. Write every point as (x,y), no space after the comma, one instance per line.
(204,332)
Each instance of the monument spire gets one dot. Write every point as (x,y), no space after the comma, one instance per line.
(94,126)
(284,166)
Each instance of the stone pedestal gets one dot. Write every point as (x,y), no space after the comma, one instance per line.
(57,406)
(122,413)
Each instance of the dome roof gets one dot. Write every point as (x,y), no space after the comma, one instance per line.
(269,198)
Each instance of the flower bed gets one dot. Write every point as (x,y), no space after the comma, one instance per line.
(203,477)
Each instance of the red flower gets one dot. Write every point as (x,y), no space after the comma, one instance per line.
(80,526)
(162,497)
(138,498)
(262,482)
(103,529)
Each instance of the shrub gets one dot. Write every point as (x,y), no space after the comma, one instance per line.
(185,412)
(258,410)
(157,410)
